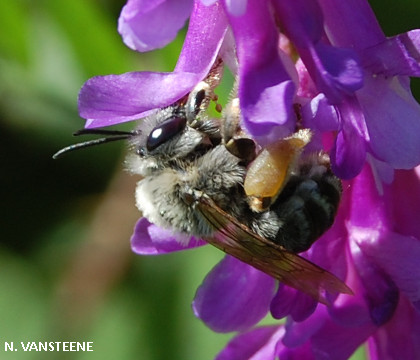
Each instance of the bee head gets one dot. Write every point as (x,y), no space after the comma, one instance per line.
(175,133)
(165,137)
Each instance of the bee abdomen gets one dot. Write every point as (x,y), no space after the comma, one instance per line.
(306,209)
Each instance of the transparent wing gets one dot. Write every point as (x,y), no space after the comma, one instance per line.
(238,240)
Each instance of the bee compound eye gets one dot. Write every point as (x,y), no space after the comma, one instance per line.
(165,131)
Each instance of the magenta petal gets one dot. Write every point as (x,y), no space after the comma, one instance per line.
(339,342)
(383,171)
(260,343)
(111,99)
(368,217)
(336,71)
(302,19)
(266,90)
(329,250)
(319,114)
(259,107)
(326,338)
(416,305)
(340,71)
(289,301)
(206,31)
(398,339)
(398,55)
(398,256)
(149,239)
(297,333)
(147,25)
(349,153)
(234,296)
(351,23)
(236,7)
(108,100)
(393,121)
(303,352)
(381,299)
(388,252)
(406,188)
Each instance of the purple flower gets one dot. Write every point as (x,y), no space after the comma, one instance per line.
(112,99)
(352,83)
(374,113)
(381,242)
(360,74)
(148,25)
(234,296)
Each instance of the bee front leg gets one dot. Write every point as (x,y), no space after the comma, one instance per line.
(233,137)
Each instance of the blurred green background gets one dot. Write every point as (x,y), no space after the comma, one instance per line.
(66,269)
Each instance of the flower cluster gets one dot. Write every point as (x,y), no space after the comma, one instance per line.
(379,236)
(352,83)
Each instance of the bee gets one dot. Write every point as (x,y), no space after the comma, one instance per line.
(205,177)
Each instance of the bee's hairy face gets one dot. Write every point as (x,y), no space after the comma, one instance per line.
(165,138)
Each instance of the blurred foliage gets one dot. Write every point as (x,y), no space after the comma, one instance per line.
(67,272)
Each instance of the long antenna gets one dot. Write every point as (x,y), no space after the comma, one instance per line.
(103,132)
(113,135)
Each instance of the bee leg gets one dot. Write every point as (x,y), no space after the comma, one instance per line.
(233,138)
(242,148)
(203,93)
